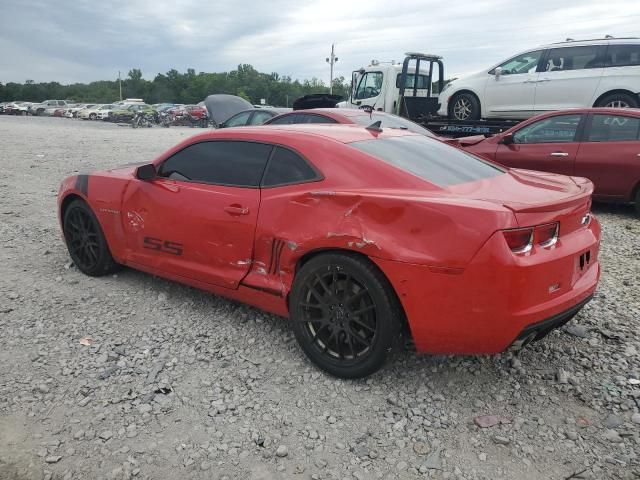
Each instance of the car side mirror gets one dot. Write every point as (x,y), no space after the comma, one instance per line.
(497,72)
(507,139)
(222,125)
(146,172)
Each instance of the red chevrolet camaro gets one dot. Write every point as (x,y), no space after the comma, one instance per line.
(355,234)
(601,144)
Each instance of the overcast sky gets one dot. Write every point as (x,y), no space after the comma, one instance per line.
(83,40)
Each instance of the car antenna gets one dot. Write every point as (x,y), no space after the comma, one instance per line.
(375,126)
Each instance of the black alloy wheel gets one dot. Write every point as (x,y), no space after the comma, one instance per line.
(86,242)
(345,314)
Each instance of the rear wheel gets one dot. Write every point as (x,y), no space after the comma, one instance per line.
(464,106)
(92,116)
(618,100)
(86,242)
(344,314)
(637,201)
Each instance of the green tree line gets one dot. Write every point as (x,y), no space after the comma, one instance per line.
(175,87)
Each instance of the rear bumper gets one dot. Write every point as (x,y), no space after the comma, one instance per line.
(498,296)
(538,331)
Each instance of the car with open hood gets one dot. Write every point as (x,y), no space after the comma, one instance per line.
(355,234)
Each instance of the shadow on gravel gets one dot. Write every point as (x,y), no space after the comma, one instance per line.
(403,366)
(622,209)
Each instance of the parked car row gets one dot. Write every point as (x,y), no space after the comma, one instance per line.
(119,112)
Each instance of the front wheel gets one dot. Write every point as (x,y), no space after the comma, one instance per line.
(618,100)
(344,314)
(464,106)
(85,241)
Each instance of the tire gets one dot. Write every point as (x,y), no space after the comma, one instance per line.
(618,100)
(464,106)
(344,338)
(86,242)
(92,116)
(39,112)
(637,201)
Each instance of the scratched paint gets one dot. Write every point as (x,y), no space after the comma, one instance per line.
(135,220)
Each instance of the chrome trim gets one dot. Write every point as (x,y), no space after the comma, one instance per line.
(553,240)
(586,219)
(528,247)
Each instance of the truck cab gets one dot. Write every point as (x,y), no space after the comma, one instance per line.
(397,88)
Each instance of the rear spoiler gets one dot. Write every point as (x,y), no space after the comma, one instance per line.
(584,195)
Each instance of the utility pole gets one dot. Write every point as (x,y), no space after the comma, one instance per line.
(331,60)
(120,84)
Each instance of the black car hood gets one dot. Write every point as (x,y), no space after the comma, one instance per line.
(316,100)
(222,107)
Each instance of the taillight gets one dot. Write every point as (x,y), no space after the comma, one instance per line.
(547,235)
(520,240)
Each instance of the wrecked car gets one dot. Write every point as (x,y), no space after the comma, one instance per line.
(356,234)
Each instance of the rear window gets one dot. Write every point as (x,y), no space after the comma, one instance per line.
(429,159)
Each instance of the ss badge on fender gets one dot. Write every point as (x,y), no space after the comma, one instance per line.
(164,246)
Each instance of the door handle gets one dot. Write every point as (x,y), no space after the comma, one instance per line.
(236,210)
(559,154)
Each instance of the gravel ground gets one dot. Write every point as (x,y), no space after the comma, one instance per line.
(180,384)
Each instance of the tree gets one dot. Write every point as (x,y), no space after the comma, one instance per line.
(176,87)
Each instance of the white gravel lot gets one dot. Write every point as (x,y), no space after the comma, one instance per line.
(180,384)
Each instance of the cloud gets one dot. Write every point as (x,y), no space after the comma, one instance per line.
(88,40)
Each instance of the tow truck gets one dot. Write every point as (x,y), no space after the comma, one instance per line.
(409,90)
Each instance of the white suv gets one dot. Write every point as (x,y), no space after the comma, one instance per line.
(571,74)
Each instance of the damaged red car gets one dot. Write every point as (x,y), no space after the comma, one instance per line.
(355,234)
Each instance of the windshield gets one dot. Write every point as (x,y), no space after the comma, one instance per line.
(391,121)
(429,159)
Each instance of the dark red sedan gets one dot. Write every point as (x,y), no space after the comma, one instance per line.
(601,144)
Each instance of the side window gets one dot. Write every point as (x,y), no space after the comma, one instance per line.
(557,129)
(614,128)
(573,58)
(525,63)
(423,81)
(233,163)
(311,118)
(286,167)
(286,120)
(260,117)
(369,86)
(239,120)
(623,55)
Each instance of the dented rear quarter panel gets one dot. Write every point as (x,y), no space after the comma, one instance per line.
(366,207)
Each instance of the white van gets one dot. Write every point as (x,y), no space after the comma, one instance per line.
(571,74)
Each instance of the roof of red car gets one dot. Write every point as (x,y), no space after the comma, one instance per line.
(344,133)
